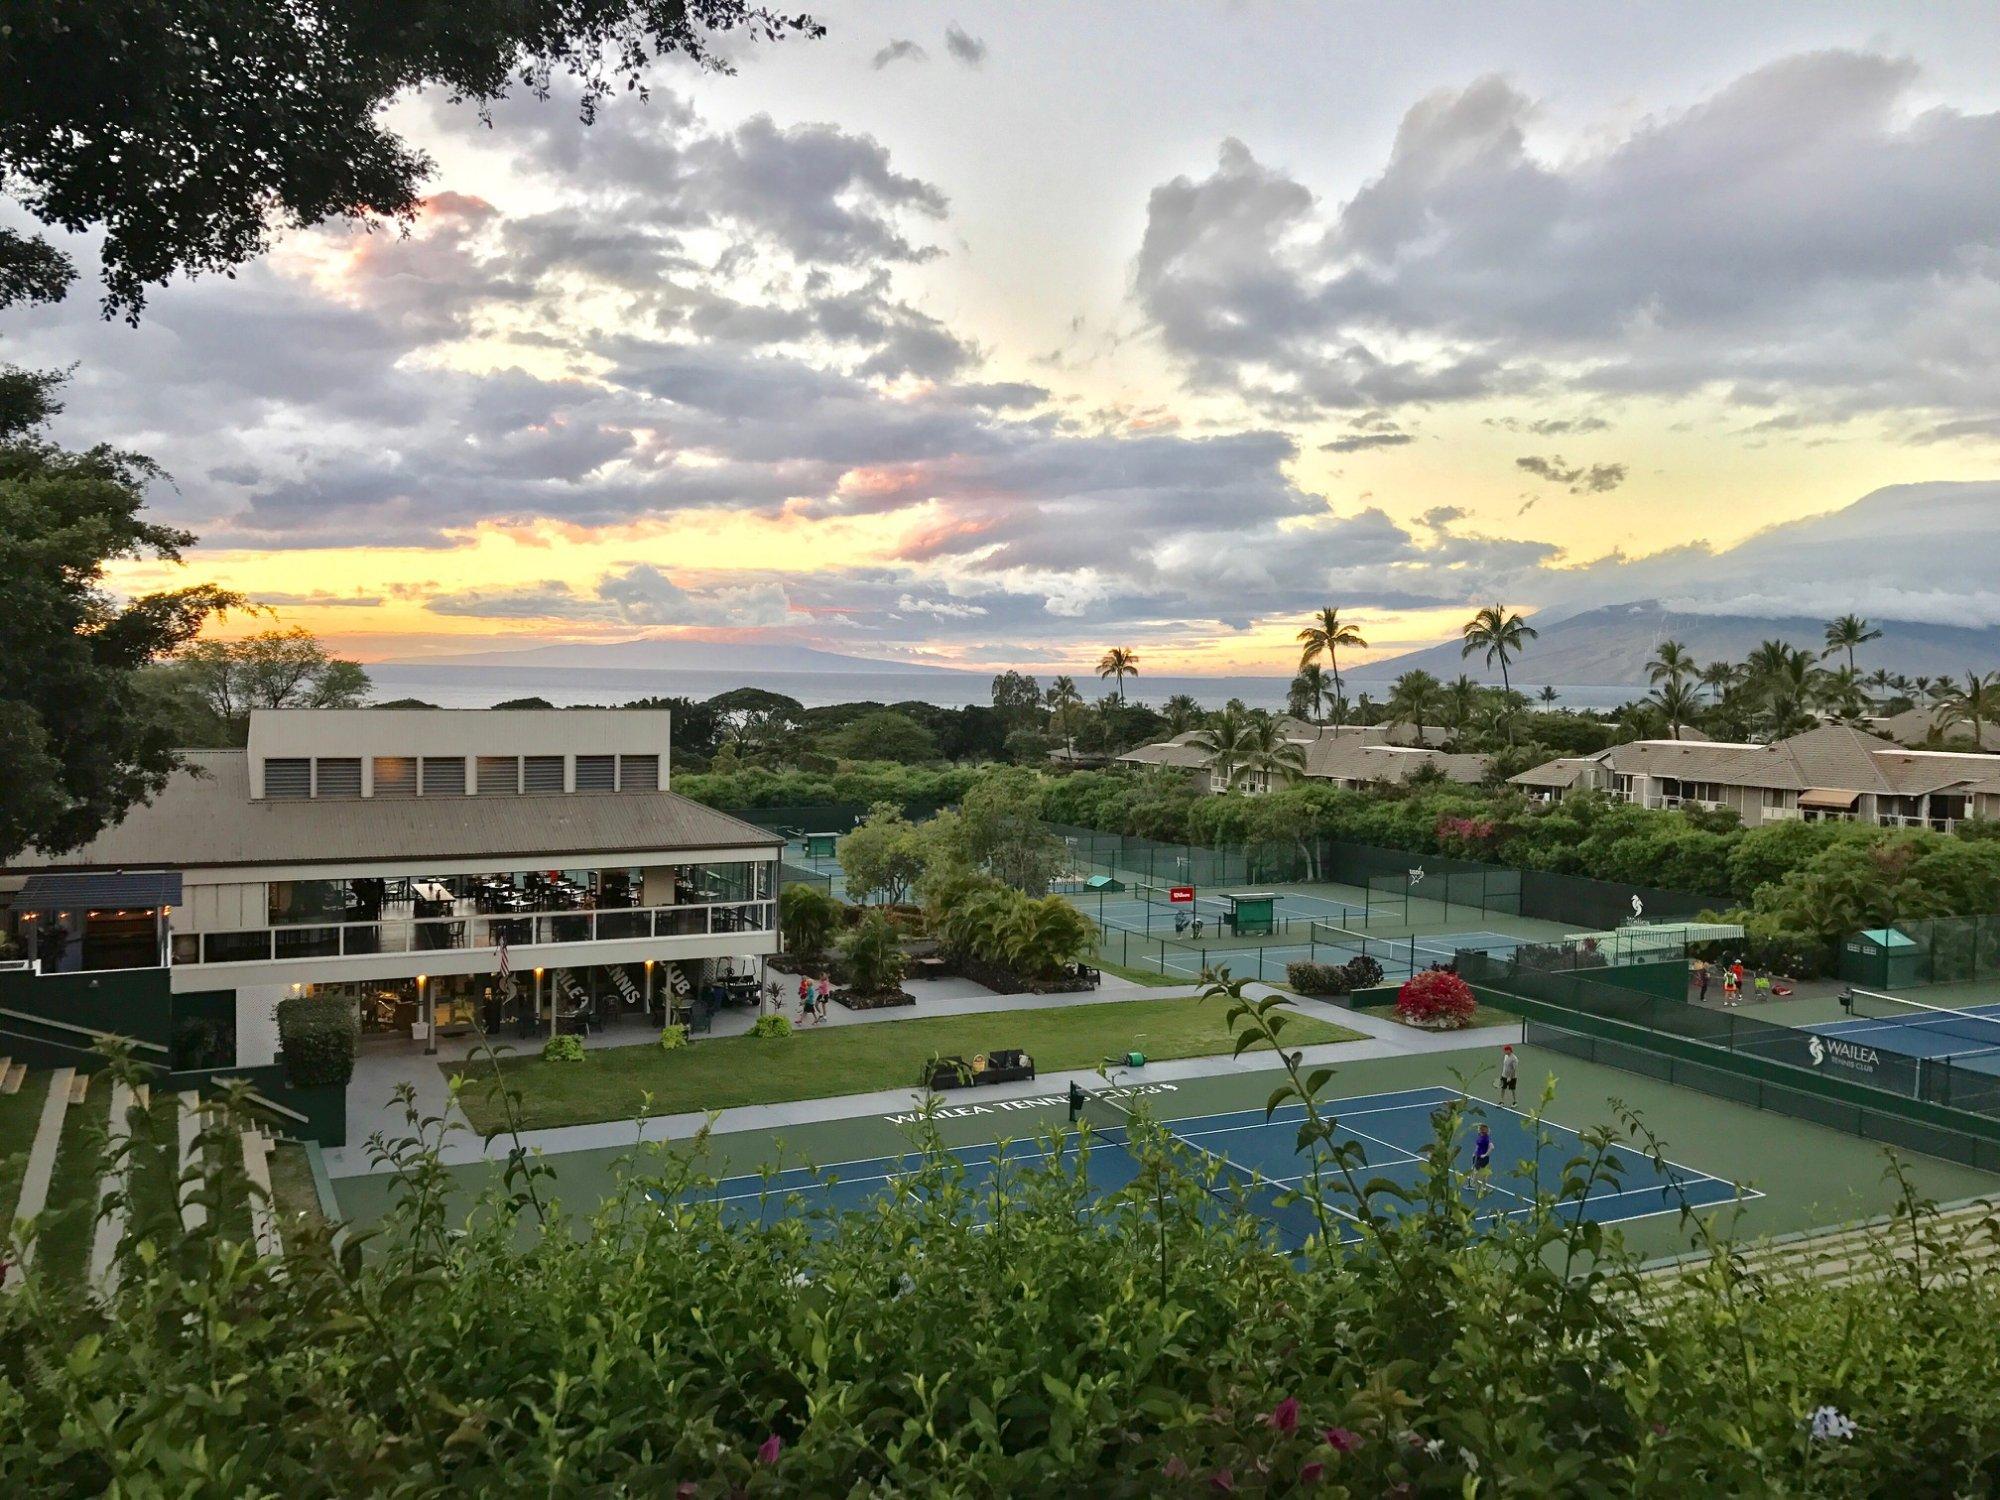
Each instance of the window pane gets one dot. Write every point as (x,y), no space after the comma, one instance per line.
(339,777)
(395,776)
(499,774)
(444,776)
(639,773)
(544,773)
(596,773)
(288,778)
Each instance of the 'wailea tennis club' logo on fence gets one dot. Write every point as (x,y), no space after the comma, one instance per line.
(1823,1049)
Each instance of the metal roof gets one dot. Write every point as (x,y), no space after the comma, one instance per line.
(99,890)
(205,818)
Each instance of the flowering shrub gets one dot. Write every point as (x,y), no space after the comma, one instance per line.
(1436,998)
(563,1049)
(1464,834)
(673,1038)
(771,1026)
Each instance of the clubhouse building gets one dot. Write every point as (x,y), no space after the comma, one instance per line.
(387,857)
(1834,772)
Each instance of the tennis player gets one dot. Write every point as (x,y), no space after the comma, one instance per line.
(1510,1074)
(1482,1150)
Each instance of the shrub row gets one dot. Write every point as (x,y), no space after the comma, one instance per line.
(1358,973)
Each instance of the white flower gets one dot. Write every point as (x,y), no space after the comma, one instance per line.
(1435,1448)
(1470,1459)
(1828,1423)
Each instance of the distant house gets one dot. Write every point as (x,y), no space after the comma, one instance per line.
(1833,772)
(1916,726)
(1347,755)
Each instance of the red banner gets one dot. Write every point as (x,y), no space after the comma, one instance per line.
(1180,895)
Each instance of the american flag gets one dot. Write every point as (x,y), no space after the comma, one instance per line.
(503,958)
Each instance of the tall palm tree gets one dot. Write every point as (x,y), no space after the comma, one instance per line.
(1414,699)
(1063,690)
(1846,632)
(1325,636)
(1842,693)
(1675,701)
(1973,702)
(1120,663)
(1548,697)
(1266,753)
(1180,711)
(1770,657)
(1672,662)
(1498,634)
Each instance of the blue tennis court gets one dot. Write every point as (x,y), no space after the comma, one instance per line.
(1259,1158)
(1400,957)
(1970,1036)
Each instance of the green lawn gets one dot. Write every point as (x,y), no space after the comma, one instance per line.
(19,1115)
(610,1084)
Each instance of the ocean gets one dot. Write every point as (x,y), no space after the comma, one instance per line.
(567,687)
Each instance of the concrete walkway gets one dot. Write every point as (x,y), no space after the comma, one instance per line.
(377,1072)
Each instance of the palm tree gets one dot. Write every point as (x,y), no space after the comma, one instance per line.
(1063,690)
(1326,635)
(1226,740)
(1769,657)
(1672,662)
(1973,702)
(1548,697)
(1789,686)
(1120,663)
(1314,687)
(1841,692)
(1180,711)
(1497,633)
(1721,677)
(1675,701)
(1460,699)
(1845,633)
(1269,755)
(1414,700)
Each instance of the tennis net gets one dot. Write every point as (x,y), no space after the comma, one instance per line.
(1292,1219)
(1933,1021)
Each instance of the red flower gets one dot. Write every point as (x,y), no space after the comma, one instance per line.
(1174,1468)
(1285,1415)
(1312,1473)
(1341,1440)
(1223,1481)
(773,1446)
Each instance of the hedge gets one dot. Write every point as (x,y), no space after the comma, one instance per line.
(318,1036)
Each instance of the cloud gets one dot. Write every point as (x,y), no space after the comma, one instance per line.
(900,50)
(943,609)
(319,600)
(1550,426)
(1741,246)
(641,595)
(1362,441)
(1578,479)
(968,49)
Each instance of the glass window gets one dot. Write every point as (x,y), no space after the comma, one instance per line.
(444,775)
(395,776)
(288,778)
(338,776)
(499,775)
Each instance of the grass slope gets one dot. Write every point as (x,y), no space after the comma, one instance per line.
(612,1083)
(19,1115)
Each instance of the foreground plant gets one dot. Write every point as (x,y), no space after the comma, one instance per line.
(1003,1332)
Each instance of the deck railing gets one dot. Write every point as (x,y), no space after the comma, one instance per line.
(470,931)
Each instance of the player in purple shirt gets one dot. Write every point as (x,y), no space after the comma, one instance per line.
(1482,1150)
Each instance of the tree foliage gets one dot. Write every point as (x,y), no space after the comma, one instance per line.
(187,130)
(81,737)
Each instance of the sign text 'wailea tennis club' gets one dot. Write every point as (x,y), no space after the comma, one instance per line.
(1039,1101)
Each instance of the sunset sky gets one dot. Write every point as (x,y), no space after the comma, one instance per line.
(1000,336)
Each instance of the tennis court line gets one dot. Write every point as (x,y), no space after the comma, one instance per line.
(1747,1192)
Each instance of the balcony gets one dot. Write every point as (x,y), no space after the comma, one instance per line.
(1669,800)
(470,932)
(1912,820)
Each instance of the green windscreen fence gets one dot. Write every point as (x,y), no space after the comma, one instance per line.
(1940,950)
(1951,1094)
